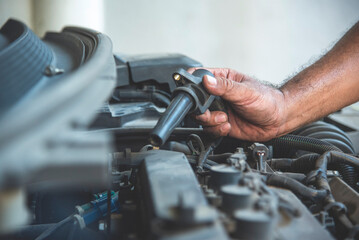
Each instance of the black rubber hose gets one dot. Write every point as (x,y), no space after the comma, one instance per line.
(304,128)
(333,158)
(203,156)
(289,141)
(281,164)
(319,127)
(296,187)
(331,135)
(319,175)
(303,143)
(317,146)
(157,97)
(307,162)
(304,163)
(339,144)
(300,177)
(323,130)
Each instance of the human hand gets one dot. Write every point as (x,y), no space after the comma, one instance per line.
(255,110)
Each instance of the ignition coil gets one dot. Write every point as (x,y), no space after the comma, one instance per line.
(190,97)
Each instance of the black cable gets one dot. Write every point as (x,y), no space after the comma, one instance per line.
(203,156)
(317,146)
(300,177)
(53,228)
(337,137)
(333,157)
(163,93)
(296,187)
(198,140)
(336,158)
(302,164)
(319,175)
(157,97)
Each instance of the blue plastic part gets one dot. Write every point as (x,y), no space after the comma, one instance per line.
(98,208)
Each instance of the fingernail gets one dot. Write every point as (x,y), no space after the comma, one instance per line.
(220,118)
(225,127)
(211,80)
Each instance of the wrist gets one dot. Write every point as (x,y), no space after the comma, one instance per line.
(296,111)
(283,111)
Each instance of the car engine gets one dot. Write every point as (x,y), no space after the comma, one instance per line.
(76,161)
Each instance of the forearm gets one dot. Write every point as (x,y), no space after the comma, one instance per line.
(325,87)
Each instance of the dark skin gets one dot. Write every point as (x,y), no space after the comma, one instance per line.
(258,112)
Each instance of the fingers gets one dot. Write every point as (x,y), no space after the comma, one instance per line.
(215,122)
(218,72)
(226,84)
(191,70)
(227,89)
(220,130)
(212,118)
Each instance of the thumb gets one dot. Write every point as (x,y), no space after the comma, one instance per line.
(225,88)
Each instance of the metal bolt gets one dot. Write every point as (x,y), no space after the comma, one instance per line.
(177,77)
(52,71)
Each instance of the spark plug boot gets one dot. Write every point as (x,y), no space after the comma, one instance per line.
(190,97)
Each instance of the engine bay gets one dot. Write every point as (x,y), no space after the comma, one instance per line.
(303,185)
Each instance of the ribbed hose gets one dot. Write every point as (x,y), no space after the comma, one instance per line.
(331,135)
(303,143)
(338,143)
(317,146)
(327,132)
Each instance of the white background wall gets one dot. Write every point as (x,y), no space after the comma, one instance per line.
(20,9)
(267,39)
